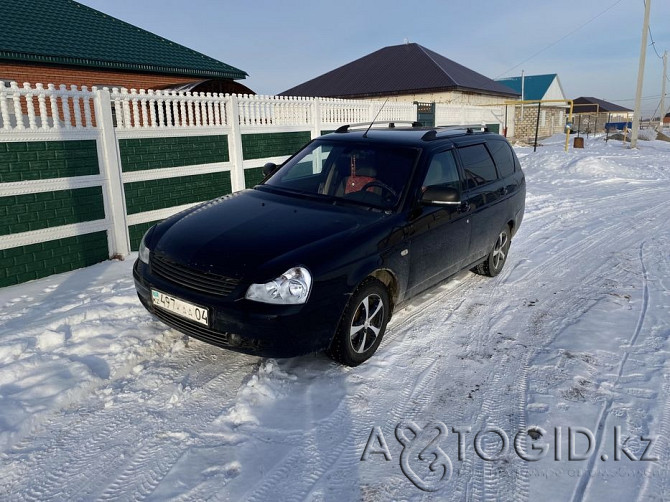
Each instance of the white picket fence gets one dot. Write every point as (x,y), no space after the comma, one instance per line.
(151,109)
(49,108)
(45,108)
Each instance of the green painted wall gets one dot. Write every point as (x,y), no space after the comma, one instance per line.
(25,263)
(149,195)
(253,176)
(23,213)
(25,161)
(38,160)
(259,146)
(156,153)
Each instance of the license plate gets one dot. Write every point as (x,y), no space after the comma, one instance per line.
(180,307)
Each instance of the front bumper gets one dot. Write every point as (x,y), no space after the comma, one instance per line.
(249,327)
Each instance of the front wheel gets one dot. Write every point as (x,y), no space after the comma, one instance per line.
(362,325)
(495,261)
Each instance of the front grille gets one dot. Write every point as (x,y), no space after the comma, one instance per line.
(192,329)
(205,282)
(205,334)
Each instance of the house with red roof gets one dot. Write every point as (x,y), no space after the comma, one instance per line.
(65,42)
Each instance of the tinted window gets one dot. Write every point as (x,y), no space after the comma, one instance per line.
(366,173)
(478,165)
(442,171)
(503,156)
(310,164)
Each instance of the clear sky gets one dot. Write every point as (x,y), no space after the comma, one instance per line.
(284,43)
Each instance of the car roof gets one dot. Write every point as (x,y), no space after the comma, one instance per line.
(423,137)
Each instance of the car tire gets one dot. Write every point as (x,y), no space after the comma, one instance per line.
(495,261)
(362,325)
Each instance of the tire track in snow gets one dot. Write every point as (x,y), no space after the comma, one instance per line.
(657,485)
(79,459)
(154,458)
(339,449)
(579,247)
(584,481)
(283,477)
(414,392)
(481,486)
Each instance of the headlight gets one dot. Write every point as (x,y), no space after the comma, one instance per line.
(144,250)
(291,288)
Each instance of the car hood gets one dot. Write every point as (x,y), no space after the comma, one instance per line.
(249,230)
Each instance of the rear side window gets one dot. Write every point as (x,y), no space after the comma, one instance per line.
(478,165)
(503,156)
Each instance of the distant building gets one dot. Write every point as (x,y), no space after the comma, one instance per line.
(538,88)
(64,42)
(408,72)
(591,114)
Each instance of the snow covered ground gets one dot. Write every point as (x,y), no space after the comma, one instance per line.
(100,401)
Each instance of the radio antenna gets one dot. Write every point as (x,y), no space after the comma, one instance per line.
(365,134)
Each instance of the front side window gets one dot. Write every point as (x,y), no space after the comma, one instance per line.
(311,164)
(442,171)
(365,174)
(478,165)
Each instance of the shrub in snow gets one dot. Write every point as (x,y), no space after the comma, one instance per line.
(647,134)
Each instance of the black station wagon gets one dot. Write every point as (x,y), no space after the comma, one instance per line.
(318,255)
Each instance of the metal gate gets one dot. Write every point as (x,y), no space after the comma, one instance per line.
(425,113)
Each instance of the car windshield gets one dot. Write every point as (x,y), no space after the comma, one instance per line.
(365,174)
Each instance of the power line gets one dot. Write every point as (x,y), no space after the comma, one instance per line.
(644,98)
(561,39)
(653,44)
(657,107)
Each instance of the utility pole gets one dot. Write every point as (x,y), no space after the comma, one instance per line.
(665,76)
(640,76)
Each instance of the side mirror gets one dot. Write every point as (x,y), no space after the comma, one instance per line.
(269,168)
(441,196)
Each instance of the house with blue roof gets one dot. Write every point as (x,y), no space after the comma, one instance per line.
(538,88)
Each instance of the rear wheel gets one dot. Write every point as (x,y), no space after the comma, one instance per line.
(362,325)
(496,259)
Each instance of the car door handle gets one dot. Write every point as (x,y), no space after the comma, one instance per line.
(502,191)
(464,207)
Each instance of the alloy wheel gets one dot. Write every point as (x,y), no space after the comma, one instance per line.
(500,250)
(366,323)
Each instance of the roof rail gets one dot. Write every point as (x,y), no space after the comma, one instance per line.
(390,124)
(469,129)
(480,127)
